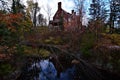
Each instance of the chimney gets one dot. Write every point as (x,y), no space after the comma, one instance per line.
(72,11)
(59,5)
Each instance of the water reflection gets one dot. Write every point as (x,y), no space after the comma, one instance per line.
(48,71)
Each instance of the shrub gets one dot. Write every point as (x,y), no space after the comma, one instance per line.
(87,43)
(5,69)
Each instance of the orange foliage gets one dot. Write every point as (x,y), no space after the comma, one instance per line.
(11,20)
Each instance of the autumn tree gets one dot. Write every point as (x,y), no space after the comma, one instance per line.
(13,25)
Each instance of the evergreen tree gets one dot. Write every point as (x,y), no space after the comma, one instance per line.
(114,13)
(98,10)
(17,7)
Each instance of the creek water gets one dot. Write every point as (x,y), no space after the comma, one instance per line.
(47,71)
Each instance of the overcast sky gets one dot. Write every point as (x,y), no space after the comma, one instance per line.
(67,5)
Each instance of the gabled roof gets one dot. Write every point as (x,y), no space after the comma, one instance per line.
(63,12)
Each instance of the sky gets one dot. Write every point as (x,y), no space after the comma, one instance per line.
(67,5)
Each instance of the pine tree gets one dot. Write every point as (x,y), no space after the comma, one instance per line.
(17,7)
(114,13)
(98,10)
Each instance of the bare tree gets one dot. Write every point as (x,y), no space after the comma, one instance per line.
(79,6)
(36,9)
(48,11)
(33,8)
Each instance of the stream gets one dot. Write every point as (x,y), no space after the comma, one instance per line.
(45,70)
(62,66)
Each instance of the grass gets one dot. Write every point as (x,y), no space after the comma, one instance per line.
(30,51)
(115,38)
